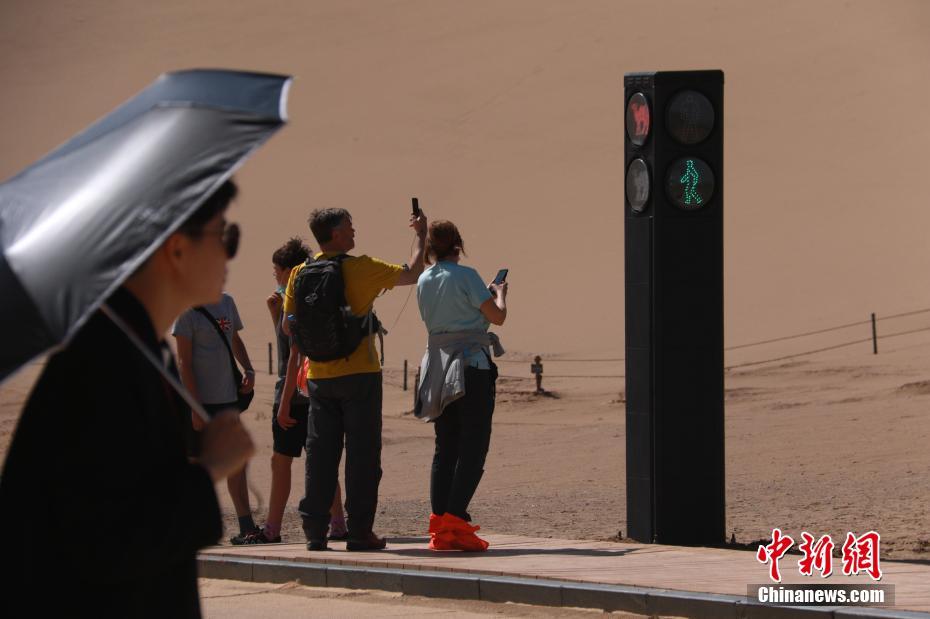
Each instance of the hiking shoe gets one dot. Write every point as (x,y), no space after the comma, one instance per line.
(316,545)
(239,540)
(316,540)
(370,542)
(338,531)
(261,538)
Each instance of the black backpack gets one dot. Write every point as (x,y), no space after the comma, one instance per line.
(326,329)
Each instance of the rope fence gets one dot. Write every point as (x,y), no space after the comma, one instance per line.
(874,339)
(259,354)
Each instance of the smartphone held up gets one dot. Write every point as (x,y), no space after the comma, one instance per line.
(500,278)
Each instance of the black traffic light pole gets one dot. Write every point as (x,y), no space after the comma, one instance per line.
(673,148)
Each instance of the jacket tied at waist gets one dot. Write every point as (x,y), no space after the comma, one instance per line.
(442,371)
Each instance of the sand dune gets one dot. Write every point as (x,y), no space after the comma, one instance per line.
(506,117)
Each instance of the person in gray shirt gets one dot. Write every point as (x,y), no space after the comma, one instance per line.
(203,361)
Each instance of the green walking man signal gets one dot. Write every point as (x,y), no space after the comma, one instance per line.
(690,178)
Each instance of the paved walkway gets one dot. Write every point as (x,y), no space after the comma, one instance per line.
(638,578)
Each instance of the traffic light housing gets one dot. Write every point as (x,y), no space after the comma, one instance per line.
(673,155)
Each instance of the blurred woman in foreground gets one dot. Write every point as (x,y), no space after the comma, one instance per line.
(106,510)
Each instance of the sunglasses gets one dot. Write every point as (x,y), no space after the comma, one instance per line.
(229,237)
(230,240)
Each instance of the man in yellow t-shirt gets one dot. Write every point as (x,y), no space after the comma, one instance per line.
(345,394)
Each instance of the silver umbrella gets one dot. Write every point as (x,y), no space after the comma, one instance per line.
(77,223)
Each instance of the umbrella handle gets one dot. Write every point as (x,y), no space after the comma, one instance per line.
(175,384)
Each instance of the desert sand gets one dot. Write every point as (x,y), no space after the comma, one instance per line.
(507,118)
(232,599)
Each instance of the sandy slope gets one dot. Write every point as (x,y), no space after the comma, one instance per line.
(825,444)
(506,117)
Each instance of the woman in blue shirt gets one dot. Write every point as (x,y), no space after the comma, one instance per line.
(457,307)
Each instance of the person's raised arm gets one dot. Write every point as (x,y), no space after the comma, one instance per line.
(410,275)
(495,308)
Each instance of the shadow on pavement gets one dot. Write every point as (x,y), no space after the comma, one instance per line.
(499,552)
